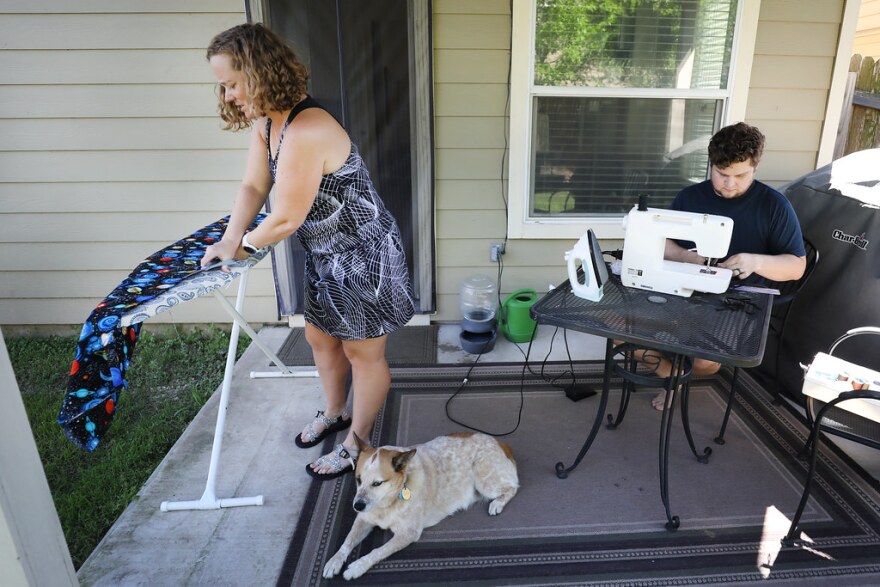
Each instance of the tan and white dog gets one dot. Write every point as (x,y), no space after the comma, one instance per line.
(408,489)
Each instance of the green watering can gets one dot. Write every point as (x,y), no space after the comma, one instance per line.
(516,324)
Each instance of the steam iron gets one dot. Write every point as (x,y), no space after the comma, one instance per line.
(588,254)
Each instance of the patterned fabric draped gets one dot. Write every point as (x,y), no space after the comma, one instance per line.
(108,337)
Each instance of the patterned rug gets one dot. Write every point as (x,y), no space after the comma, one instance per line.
(604,524)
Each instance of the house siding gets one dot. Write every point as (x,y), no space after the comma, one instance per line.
(111,149)
(471,60)
(795,53)
(867,42)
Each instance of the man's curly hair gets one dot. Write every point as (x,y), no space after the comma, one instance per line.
(276,79)
(735,143)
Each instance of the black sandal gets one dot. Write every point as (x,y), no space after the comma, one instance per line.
(331,426)
(340,462)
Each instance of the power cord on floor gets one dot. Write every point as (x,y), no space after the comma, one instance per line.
(573,390)
(465,382)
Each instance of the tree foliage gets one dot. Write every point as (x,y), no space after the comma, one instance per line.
(590,42)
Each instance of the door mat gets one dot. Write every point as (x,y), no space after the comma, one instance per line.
(411,345)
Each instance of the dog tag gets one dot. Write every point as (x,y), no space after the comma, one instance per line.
(405,494)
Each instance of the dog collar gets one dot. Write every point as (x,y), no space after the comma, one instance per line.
(405,493)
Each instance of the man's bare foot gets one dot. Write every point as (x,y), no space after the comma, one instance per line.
(659,400)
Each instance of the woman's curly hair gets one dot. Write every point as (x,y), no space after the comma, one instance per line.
(735,143)
(276,79)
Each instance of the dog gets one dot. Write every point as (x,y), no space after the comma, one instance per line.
(408,489)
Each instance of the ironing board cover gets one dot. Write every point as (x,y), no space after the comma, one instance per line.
(103,354)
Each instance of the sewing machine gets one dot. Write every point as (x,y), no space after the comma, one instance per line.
(643,265)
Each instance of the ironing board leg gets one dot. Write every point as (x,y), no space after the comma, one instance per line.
(285,371)
(209,499)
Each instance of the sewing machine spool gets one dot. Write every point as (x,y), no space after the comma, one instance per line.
(588,254)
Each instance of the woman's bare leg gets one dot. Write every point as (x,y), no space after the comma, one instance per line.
(371,379)
(333,368)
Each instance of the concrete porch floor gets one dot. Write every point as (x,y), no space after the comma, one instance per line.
(245,545)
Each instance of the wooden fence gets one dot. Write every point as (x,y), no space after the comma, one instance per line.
(860,121)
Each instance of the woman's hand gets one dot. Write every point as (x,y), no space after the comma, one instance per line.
(224,251)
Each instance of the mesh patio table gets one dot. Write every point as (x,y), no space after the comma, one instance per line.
(729,328)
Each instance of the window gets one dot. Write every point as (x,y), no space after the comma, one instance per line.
(618,98)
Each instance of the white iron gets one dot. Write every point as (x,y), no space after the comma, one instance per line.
(588,254)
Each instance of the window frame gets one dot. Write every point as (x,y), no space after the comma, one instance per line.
(520,224)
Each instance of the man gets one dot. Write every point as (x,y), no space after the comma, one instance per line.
(766,242)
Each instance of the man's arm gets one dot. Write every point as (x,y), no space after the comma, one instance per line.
(675,252)
(784,267)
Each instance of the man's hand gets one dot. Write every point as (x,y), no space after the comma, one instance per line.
(784,267)
(743,265)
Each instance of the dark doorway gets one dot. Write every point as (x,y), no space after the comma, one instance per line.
(366,69)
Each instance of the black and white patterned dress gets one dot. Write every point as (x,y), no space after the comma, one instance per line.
(356,280)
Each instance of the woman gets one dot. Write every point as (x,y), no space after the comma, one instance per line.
(357,288)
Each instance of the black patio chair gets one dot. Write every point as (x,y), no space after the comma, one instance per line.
(788,290)
(856,422)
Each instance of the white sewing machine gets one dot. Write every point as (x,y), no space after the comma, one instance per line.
(643,265)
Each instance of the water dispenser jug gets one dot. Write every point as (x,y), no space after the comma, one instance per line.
(479,304)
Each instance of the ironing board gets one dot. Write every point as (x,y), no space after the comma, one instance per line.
(164,280)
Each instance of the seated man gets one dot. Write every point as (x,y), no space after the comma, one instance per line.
(766,242)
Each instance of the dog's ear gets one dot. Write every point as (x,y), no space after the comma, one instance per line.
(361,445)
(400,461)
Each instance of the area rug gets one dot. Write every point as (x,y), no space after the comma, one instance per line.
(412,345)
(605,523)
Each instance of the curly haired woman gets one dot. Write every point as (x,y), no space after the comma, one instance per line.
(357,287)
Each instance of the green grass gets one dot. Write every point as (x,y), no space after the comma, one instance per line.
(552,202)
(171,376)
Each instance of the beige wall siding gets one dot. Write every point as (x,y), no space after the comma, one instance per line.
(867,41)
(795,52)
(471,54)
(110,149)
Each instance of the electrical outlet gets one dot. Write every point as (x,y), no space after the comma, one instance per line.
(495,251)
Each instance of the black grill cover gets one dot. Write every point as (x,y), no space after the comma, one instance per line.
(839,210)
